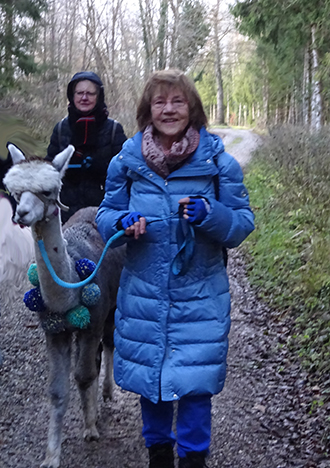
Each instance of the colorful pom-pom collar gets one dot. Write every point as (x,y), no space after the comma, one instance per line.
(76,318)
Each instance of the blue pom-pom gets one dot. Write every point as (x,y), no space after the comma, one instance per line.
(85,268)
(33,300)
(33,274)
(90,294)
(78,317)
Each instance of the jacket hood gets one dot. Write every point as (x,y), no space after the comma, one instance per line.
(85,75)
(215,142)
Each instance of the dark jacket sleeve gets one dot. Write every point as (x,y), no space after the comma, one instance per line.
(54,147)
(118,140)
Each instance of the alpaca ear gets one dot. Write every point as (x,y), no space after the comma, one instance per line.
(16,154)
(61,160)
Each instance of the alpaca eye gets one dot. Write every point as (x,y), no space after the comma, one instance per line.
(46,193)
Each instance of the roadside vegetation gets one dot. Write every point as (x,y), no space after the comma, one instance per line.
(288,255)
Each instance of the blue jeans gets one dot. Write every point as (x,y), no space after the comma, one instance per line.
(193,425)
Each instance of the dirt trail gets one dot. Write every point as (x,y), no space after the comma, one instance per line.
(239,143)
(257,419)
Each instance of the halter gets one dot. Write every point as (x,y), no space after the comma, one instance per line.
(47,202)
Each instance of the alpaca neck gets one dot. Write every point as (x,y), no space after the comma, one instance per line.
(56,298)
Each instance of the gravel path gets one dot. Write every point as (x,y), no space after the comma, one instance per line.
(239,143)
(259,420)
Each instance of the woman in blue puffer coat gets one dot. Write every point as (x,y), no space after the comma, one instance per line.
(181,200)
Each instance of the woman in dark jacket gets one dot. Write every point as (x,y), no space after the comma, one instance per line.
(96,138)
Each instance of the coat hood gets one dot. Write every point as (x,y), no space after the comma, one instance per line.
(85,75)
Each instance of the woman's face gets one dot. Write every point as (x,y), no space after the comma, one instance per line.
(170,114)
(85,96)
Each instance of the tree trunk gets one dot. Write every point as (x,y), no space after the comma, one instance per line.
(161,41)
(265,102)
(306,109)
(8,43)
(220,118)
(316,107)
(148,36)
(174,34)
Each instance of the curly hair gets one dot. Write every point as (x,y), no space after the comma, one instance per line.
(167,79)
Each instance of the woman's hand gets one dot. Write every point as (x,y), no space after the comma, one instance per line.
(194,209)
(134,224)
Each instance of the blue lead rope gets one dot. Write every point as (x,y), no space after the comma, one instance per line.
(185,236)
(180,265)
(64,284)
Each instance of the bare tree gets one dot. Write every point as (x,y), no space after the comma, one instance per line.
(218,36)
(148,33)
(316,105)
(175,8)
(121,45)
(162,35)
(307,78)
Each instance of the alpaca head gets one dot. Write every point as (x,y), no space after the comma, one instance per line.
(35,184)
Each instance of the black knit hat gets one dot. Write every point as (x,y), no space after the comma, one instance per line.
(85,75)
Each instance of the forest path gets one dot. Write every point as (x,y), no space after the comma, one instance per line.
(259,420)
(239,143)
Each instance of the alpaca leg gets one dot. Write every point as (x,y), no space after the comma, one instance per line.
(108,373)
(87,372)
(108,348)
(59,355)
(89,406)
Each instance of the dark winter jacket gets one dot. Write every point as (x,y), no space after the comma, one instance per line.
(171,336)
(83,184)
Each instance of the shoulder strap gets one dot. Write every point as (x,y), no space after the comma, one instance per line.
(216,182)
(59,133)
(115,123)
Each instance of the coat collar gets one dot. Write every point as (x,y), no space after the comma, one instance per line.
(201,162)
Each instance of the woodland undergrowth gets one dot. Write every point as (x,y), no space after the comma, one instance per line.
(288,254)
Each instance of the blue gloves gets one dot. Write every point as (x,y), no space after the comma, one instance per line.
(129,219)
(197,209)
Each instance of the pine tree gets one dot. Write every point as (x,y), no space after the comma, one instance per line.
(17,34)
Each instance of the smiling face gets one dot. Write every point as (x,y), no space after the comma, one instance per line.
(170,114)
(85,96)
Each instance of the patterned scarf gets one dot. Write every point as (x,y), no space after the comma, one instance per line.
(163,164)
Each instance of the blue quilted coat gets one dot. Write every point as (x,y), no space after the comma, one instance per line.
(171,336)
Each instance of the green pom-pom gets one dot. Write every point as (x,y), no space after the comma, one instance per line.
(33,274)
(78,317)
(90,294)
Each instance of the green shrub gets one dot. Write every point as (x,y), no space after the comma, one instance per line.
(289,252)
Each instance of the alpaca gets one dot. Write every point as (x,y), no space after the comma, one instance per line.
(16,253)
(16,244)
(36,184)
(16,248)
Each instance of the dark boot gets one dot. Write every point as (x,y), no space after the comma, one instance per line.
(193,460)
(161,456)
